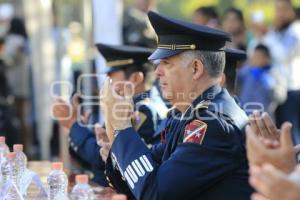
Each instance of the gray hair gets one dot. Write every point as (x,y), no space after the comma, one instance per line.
(213,61)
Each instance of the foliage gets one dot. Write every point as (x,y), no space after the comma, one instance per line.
(184,8)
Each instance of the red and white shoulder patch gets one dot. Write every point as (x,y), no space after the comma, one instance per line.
(194,132)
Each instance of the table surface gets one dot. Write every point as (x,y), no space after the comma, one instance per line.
(42,168)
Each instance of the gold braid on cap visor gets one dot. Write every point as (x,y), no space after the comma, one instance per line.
(119,62)
(177,46)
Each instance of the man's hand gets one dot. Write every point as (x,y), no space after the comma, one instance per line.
(102,141)
(100,133)
(264,127)
(64,113)
(104,150)
(117,107)
(283,156)
(67,114)
(273,184)
(266,130)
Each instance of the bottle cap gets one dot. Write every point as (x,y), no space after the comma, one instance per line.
(82,178)
(57,166)
(2,139)
(119,197)
(18,147)
(11,155)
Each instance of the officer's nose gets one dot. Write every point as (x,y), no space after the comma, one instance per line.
(158,71)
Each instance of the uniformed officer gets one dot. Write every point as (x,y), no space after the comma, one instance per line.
(129,63)
(126,63)
(203,155)
(233,57)
(111,170)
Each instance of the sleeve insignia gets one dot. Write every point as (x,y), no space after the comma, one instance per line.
(194,132)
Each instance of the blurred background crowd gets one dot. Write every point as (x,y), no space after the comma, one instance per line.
(46,45)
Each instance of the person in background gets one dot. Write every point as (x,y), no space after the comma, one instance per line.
(137,30)
(233,59)
(283,40)
(206,15)
(127,63)
(140,73)
(7,114)
(258,29)
(4,88)
(16,56)
(233,22)
(264,78)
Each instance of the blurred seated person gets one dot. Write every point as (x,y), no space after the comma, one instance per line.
(260,84)
(207,16)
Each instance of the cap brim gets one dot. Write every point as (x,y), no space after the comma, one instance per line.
(164,53)
(235,54)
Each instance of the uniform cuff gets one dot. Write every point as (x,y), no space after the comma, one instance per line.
(77,136)
(127,146)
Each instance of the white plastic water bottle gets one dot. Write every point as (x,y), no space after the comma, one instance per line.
(9,172)
(8,168)
(21,161)
(57,181)
(82,190)
(3,149)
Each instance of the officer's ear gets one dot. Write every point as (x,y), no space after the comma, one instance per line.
(223,80)
(136,78)
(197,69)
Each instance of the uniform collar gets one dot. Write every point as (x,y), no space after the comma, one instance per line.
(141,96)
(207,95)
(203,99)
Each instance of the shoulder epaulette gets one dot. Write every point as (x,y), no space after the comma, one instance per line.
(202,105)
(171,110)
